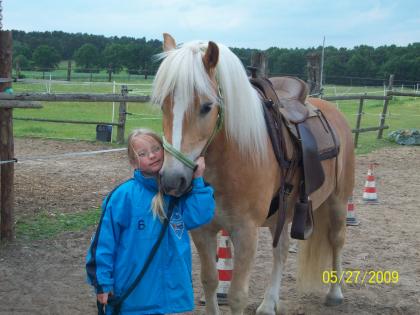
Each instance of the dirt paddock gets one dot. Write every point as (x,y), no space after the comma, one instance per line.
(48,276)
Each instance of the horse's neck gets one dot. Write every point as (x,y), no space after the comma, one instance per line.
(225,163)
(242,189)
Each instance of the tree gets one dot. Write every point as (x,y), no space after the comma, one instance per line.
(21,62)
(46,57)
(87,57)
(113,57)
(133,61)
(360,66)
(20,48)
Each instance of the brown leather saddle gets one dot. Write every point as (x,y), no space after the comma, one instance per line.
(314,140)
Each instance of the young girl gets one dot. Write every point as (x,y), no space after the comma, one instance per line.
(129,227)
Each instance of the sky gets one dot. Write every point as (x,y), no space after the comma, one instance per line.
(246,24)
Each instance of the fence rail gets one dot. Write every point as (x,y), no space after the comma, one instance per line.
(72,97)
(395,93)
(87,122)
(355,97)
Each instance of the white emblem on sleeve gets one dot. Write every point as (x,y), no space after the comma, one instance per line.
(177,224)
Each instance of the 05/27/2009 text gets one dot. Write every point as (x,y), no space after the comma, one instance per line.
(361,277)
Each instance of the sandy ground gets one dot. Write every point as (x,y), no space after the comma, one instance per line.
(48,276)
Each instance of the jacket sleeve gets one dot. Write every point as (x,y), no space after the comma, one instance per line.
(100,257)
(198,206)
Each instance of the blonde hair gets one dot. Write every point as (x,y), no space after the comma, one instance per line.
(158,204)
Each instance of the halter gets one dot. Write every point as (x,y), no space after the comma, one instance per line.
(182,157)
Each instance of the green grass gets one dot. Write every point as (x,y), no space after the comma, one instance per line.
(46,225)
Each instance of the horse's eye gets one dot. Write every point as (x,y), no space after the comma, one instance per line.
(205,108)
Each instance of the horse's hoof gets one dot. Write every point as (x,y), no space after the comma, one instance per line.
(333,301)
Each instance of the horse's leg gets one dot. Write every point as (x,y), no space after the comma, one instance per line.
(336,236)
(270,304)
(205,241)
(244,238)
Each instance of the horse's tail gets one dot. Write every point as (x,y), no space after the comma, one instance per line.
(315,253)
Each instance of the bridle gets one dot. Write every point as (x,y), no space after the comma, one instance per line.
(185,159)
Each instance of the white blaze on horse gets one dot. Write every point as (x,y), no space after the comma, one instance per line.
(209,107)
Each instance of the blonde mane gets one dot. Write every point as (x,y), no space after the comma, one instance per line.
(182,72)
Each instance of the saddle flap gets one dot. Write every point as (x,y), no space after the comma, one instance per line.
(312,168)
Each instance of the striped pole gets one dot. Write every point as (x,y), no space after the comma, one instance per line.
(369,192)
(224,267)
(351,219)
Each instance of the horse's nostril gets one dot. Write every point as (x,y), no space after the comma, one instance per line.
(182,183)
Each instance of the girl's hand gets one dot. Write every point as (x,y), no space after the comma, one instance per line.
(201,166)
(103,297)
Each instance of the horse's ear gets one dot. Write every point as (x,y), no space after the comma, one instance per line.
(168,42)
(211,57)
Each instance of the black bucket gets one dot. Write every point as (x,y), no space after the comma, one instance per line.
(103,133)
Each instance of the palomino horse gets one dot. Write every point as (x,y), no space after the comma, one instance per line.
(198,84)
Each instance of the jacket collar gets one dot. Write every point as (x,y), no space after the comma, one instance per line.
(148,182)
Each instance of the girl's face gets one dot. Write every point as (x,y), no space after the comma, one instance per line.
(148,154)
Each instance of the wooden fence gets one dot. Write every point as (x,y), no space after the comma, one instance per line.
(7,100)
(31,100)
(362,97)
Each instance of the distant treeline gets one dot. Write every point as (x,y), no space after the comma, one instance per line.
(92,53)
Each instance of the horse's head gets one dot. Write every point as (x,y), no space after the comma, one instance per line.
(185,87)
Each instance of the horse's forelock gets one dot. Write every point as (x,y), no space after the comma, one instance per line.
(182,72)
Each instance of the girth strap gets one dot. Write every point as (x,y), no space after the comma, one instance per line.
(273,121)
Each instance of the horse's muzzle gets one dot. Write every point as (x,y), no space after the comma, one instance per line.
(175,183)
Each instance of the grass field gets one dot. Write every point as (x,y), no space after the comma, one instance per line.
(404,112)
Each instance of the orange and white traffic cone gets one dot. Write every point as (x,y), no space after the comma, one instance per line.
(224,267)
(351,216)
(369,192)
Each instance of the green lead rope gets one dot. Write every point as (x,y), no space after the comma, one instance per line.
(177,154)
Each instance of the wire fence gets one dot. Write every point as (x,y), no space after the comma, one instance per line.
(91,75)
(130,75)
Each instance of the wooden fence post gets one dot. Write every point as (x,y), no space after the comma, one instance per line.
(385,108)
(359,119)
(69,70)
(122,116)
(313,68)
(259,65)
(7,196)
(110,72)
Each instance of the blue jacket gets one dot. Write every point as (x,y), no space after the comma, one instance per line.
(125,236)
